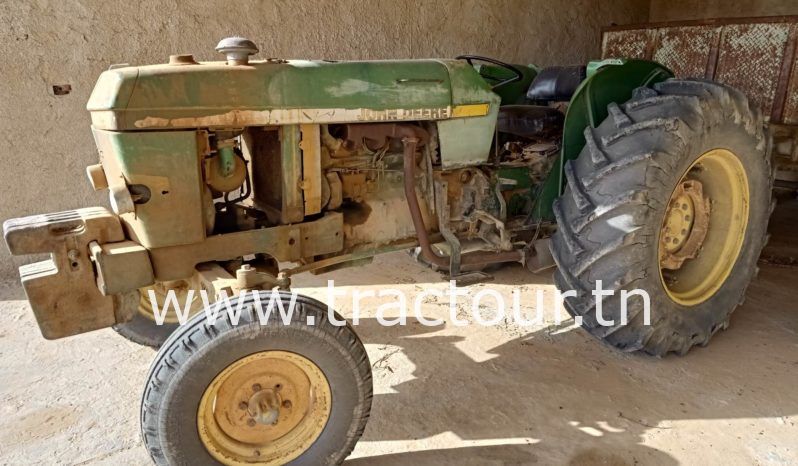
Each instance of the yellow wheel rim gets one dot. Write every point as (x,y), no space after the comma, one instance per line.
(162,289)
(266,409)
(704,227)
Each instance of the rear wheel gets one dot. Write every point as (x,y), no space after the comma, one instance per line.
(258,394)
(671,195)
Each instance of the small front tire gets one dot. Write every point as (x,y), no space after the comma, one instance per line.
(305,390)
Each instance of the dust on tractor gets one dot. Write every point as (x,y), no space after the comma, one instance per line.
(238,175)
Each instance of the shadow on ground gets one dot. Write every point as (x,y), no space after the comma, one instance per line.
(561,394)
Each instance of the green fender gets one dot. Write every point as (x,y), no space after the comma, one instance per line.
(611,80)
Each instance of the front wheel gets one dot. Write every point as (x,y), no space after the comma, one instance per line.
(671,195)
(260,394)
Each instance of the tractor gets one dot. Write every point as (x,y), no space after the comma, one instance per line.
(239,174)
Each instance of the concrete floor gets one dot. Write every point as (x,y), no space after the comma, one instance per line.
(457,395)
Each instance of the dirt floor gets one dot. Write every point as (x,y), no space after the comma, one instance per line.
(458,395)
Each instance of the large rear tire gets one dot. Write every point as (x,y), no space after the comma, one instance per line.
(671,195)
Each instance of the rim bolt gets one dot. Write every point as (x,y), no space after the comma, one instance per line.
(256,387)
(287,404)
(243,405)
(251,422)
(278,386)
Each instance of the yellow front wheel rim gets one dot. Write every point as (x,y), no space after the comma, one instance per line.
(266,409)
(704,227)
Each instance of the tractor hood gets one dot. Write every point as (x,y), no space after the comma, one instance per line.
(277,92)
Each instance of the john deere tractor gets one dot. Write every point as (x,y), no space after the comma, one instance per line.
(237,175)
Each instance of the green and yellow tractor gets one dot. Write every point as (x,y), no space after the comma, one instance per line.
(236,175)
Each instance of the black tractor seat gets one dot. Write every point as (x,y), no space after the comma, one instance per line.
(540,122)
(556,83)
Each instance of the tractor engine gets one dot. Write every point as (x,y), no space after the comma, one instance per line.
(361,174)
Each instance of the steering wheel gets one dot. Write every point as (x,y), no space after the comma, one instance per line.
(518,74)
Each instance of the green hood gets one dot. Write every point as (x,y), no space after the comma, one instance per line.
(283,92)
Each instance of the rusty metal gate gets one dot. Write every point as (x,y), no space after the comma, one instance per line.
(755,55)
